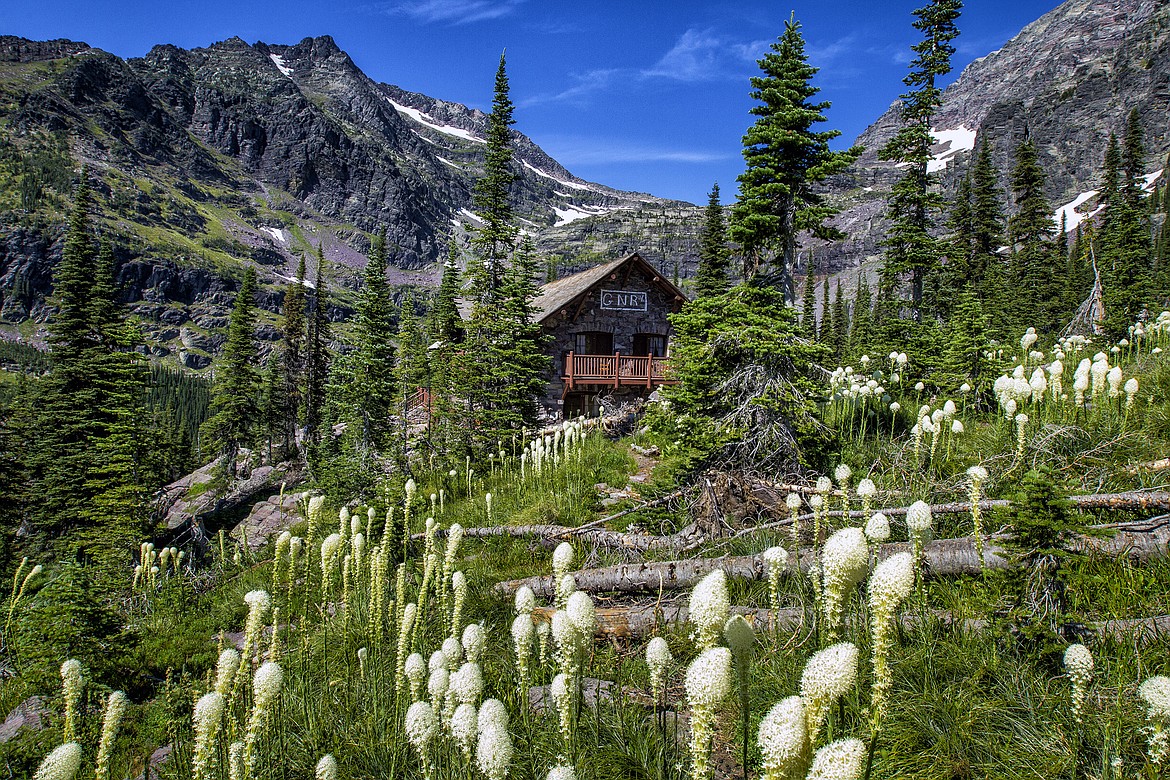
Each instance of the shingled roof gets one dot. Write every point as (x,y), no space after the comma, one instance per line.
(559,294)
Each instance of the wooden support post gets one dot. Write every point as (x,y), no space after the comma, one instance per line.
(649,370)
(617,369)
(569,370)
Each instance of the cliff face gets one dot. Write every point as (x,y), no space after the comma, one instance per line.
(1067,80)
(237,154)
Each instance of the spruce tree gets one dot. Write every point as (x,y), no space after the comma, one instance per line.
(785,161)
(411,355)
(1033,277)
(827,329)
(374,351)
(234,411)
(292,358)
(859,330)
(808,319)
(444,324)
(317,355)
(714,256)
(966,342)
(1126,249)
(495,239)
(911,249)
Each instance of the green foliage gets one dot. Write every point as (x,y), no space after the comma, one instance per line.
(714,256)
(1035,295)
(785,161)
(742,361)
(234,412)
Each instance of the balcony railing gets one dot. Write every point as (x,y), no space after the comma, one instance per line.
(616,370)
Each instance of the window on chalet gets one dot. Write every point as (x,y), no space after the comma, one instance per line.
(650,344)
(594,342)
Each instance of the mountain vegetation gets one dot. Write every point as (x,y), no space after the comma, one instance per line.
(912,524)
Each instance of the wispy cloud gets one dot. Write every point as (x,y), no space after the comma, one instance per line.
(452,11)
(584,85)
(696,56)
(592,151)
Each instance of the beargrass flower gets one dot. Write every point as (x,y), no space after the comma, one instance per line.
(421,726)
(562,773)
(709,608)
(467,683)
(464,728)
(783,740)
(404,633)
(566,586)
(708,682)
(776,559)
(582,615)
(827,676)
(473,641)
(658,659)
(844,563)
(416,672)
(493,753)
(1131,389)
(523,635)
(459,588)
(111,720)
(976,476)
(793,502)
(890,584)
(452,653)
(265,690)
(840,760)
(877,528)
(71,684)
(525,600)
(920,528)
(563,690)
(562,560)
(61,764)
(1155,694)
(207,718)
(327,768)
(1078,663)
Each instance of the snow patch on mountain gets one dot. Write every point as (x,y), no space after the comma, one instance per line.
(570,184)
(1070,214)
(277,234)
(572,213)
(1151,178)
(423,119)
(278,61)
(951,142)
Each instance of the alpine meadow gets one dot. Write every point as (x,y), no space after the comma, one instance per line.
(345,434)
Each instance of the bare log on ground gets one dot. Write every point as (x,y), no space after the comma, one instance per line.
(638,622)
(1139,541)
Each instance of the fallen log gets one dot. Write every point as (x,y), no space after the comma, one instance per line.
(639,622)
(1132,501)
(1139,541)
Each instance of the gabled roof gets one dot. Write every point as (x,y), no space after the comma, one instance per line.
(559,294)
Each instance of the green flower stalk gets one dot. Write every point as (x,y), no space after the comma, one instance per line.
(71,685)
(828,676)
(793,503)
(265,691)
(236,766)
(225,671)
(18,593)
(314,510)
(459,587)
(279,556)
(1078,663)
(741,640)
(658,659)
(776,558)
(543,630)
(405,630)
(977,475)
(843,474)
(61,764)
(563,696)
(866,491)
(890,584)
(920,528)
(783,740)
(562,561)
(112,719)
(523,635)
(258,602)
(207,719)
(416,672)
(708,682)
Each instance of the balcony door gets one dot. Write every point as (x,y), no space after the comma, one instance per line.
(594,342)
(649,344)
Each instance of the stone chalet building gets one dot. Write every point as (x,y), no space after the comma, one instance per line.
(609,331)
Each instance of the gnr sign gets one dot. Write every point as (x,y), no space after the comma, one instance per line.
(623,300)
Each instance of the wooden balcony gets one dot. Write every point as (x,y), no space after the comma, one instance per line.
(616,370)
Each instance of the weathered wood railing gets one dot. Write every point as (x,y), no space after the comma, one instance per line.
(616,370)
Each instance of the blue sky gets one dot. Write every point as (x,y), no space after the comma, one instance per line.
(649,96)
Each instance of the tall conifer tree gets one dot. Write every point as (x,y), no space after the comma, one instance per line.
(786,160)
(711,278)
(234,410)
